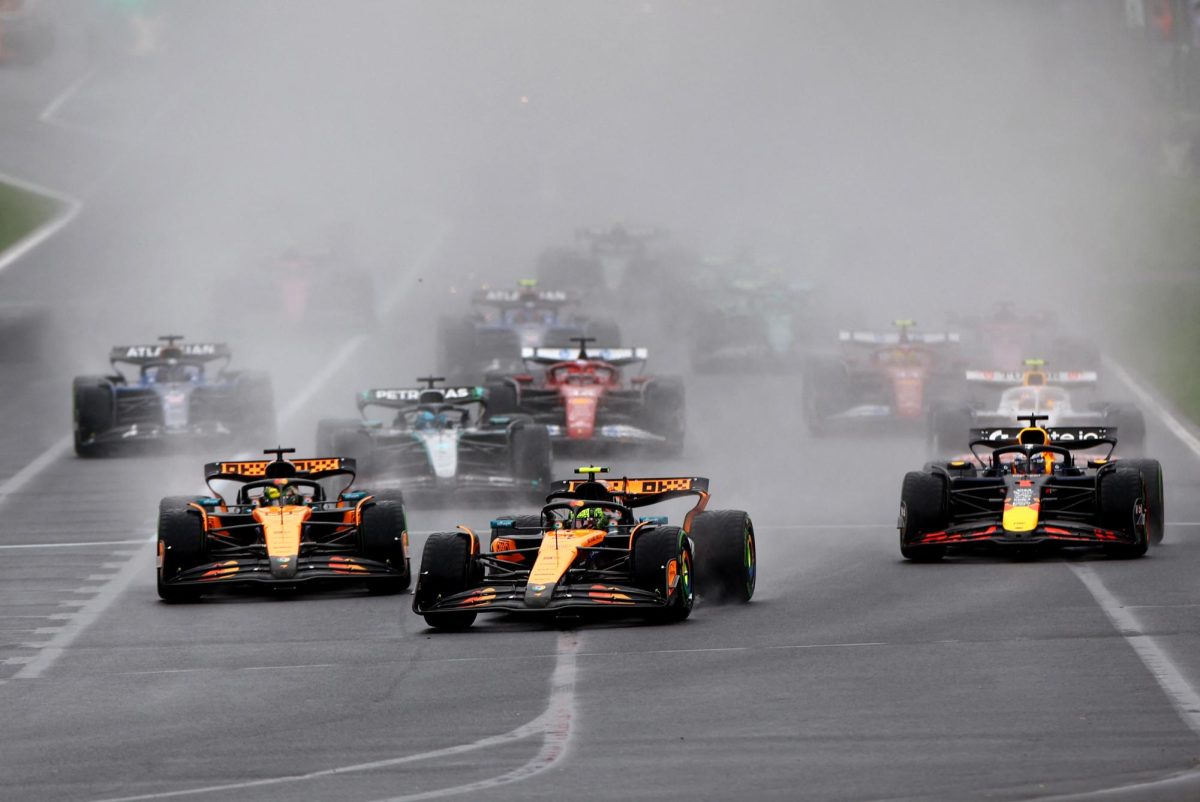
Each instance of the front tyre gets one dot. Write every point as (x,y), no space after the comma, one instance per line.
(447,567)
(662,561)
(181,541)
(383,538)
(922,510)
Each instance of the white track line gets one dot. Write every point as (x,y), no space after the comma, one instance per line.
(50,651)
(64,97)
(132,567)
(554,725)
(79,544)
(69,208)
(1160,409)
(1179,690)
(17,481)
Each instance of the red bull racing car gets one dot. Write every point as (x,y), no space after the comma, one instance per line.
(286,522)
(1033,490)
(587,551)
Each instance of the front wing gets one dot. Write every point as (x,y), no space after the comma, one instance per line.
(257,570)
(510,598)
(1051,531)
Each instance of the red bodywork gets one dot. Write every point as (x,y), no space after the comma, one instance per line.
(581,385)
(906,368)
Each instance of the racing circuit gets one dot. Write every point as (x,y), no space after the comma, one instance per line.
(851,675)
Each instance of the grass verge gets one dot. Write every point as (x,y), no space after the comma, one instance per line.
(22,212)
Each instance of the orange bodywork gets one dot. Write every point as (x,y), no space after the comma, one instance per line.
(558,551)
(281,528)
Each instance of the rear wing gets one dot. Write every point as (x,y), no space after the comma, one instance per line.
(1067,436)
(524,295)
(146,354)
(402,397)
(638,492)
(615,356)
(1015,377)
(253,470)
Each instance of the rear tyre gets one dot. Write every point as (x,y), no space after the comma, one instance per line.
(823,393)
(447,567)
(530,447)
(606,332)
(922,509)
(726,555)
(502,399)
(653,553)
(383,537)
(93,413)
(1120,490)
(181,541)
(1152,481)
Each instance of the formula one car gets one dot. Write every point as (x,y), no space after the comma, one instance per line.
(587,552)
(1031,493)
(442,442)
(174,398)
(288,522)
(1039,391)
(583,398)
(751,322)
(1002,339)
(881,376)
(502,322)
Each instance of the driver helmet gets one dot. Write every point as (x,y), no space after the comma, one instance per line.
(426,419)
(591,518)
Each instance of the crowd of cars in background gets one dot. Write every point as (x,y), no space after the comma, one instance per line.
(1021,441)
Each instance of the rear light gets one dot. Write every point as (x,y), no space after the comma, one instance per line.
(523,378)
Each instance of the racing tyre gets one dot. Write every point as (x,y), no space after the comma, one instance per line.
(180,546)
(256,407)
(447,567)
(661,557)
(922,509)
(1152,481)
(328,430)
(1120,490)
(93,413)
(502,399)
(726,558)
(666,413)
(531,459)
(383,537)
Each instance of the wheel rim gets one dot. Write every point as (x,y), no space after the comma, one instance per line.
(749,560)
(686,595)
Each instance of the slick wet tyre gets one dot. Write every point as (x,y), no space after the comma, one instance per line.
(1152,479)
(383,538)
(922,510)
(726,555)
(653,553)
(329,429)
(1119,492)
(181,540)
(447,567)
(531,459)
(93,412)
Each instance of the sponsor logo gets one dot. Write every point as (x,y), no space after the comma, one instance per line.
(455,393)
(152,351)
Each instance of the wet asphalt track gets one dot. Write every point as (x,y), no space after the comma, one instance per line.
(851,676)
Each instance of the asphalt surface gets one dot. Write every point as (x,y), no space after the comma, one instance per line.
(852,675)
